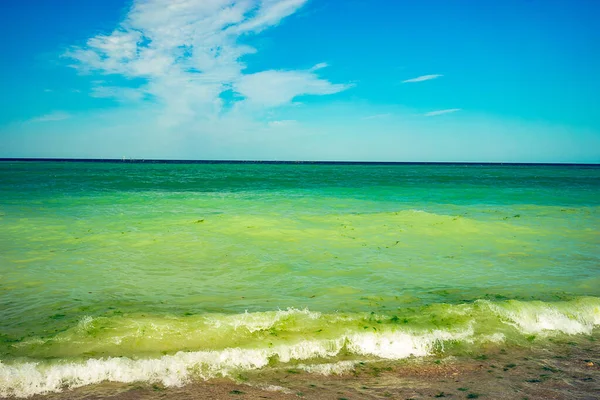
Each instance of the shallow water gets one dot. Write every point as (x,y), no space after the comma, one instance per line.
(169,272)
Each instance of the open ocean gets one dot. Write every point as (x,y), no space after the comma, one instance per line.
(170,273)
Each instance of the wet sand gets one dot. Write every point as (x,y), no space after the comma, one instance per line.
(561,370)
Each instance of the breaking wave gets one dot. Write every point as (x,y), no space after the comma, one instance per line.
(211,346)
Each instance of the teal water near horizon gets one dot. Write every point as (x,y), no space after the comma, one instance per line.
(171,272)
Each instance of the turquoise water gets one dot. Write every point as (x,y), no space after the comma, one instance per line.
(171,272)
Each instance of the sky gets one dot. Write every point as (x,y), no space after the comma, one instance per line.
(337,80)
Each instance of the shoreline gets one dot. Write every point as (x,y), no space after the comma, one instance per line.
(563,370)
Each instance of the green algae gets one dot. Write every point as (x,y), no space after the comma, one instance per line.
(117,267)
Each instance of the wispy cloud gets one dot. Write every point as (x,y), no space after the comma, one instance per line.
(441,112)
(53,116)
(274,88)
(188,55)
(319,66)
(423,78)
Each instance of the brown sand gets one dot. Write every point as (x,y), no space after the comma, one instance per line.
(565,370)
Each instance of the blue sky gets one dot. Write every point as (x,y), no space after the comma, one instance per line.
(433,80)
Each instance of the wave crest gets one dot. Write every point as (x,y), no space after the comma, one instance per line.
(287,336)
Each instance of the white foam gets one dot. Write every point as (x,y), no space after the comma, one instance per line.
(24,379)
(85,323)
(493,338)
(548,318)
(258,321)
(29,378)
(397,345)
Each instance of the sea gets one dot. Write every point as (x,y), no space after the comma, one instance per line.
(172,273)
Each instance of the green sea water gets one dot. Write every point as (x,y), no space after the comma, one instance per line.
(170,272)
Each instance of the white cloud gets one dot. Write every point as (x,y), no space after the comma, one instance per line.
(187,53)
(52,117)
(423,78)
(441,112)
(269,13)
(319,66)
(274,88)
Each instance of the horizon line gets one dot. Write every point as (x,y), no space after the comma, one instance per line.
(314,162)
